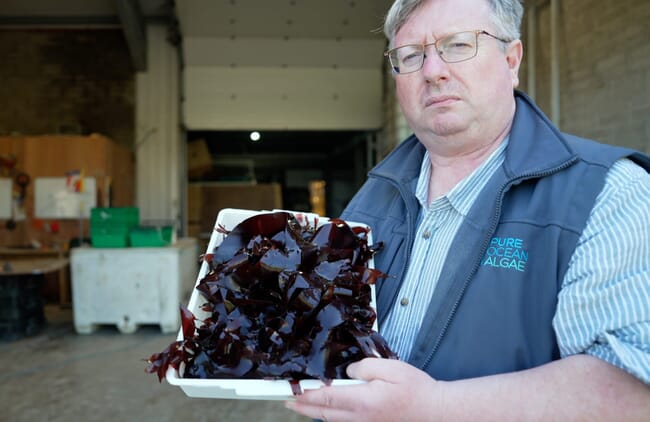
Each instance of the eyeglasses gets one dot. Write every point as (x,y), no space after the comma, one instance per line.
(452,48)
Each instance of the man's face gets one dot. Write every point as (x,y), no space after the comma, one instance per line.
(472,98)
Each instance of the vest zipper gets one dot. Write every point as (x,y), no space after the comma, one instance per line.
(495,222)
(410,234)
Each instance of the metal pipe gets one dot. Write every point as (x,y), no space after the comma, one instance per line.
(555,63)
(532,50)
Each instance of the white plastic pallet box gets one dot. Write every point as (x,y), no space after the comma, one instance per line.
(128,287)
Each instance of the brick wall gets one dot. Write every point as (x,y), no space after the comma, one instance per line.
(66,81)
(604,69)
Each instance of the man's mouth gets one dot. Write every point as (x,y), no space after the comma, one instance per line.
(440,100)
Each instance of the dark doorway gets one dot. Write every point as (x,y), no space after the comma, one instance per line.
(291,158)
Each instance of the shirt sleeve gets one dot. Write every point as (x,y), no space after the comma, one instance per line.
(604,302)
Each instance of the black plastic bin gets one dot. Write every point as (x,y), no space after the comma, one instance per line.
(21,305)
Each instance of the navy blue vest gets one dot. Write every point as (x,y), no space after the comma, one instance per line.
(493,305)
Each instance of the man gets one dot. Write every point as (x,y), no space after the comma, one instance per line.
(520,255)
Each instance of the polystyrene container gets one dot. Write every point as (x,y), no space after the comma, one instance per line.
(250,389)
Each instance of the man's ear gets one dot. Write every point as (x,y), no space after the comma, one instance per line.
(514,54)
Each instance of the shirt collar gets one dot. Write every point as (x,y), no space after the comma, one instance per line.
(462,196)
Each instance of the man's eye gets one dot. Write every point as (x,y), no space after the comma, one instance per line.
(411,58)
(459,45)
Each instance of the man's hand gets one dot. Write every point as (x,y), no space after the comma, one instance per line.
(579,387)
(391,390)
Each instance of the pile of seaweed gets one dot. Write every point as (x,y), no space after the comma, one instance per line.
(285,301)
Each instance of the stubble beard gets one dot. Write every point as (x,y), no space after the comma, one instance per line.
(444,123)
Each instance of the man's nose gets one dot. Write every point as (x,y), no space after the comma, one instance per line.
(434,69)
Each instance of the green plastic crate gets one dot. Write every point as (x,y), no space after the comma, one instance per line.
(109,240)
(143,236)
(110,227)
(109,217)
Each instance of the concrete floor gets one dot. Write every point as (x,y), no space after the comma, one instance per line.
(58,375)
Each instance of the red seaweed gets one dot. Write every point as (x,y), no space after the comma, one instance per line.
(285,300)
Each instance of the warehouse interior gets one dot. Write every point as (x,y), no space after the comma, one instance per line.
(179,109)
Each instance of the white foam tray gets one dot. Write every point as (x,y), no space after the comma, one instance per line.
(246,389)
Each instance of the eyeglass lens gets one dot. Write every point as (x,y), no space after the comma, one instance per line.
(453,48)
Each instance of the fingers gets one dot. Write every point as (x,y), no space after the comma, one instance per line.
(341,397)
(319,412)
(389,370)
(331,404)
(390,388)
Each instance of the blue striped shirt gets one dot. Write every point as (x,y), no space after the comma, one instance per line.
(438,223)
(604,303)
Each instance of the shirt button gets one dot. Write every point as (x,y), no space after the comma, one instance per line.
(426,234)
(404,301)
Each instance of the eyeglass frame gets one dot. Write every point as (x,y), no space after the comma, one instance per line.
(476,32)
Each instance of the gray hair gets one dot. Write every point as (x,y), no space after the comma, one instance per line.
(506,17)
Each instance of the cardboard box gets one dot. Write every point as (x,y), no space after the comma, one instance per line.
(199,159)
(218,196)
(194,203)
(249,389)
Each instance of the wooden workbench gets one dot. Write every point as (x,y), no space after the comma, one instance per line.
(23,261)
(32,266)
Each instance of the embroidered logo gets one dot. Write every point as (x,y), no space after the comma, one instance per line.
(507,253)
